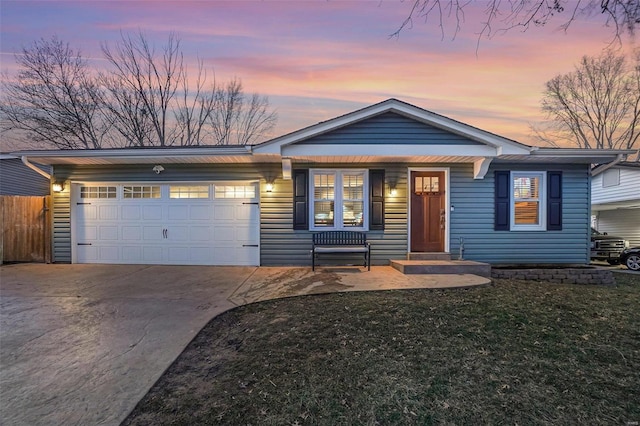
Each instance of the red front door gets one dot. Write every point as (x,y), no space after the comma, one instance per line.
(427,211)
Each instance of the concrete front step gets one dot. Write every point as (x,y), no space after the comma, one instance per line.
(442,267)
(429,256)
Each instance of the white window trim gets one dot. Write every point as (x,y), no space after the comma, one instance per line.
(337,199)
(542,204)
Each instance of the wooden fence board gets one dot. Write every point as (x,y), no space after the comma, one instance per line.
(25,235)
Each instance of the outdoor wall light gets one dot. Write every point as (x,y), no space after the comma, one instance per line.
(269,187)
(58,186)
(393,191)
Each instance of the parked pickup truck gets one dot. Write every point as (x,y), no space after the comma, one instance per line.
(607,247)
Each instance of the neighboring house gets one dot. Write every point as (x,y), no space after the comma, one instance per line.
(615,200)
(413,180)
(18,179)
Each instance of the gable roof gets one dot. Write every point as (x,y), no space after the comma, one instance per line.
(495,144)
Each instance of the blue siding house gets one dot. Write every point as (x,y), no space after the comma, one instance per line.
(412,180)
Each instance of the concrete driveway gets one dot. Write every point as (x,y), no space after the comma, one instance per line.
(82,344)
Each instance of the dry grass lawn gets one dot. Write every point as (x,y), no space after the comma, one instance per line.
(510,353)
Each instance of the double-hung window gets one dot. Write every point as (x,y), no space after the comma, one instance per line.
(528,205)
(339,199)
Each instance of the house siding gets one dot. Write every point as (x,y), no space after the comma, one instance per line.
(61,228)
(627,190)
(623,223)
(389,129)
(472,217)
(473,220)
(18,179)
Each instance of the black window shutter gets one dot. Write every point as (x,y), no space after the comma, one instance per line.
(376,200)
(554,201)
(502,202)
(301,199)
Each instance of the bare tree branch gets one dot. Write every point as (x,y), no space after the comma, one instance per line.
(144,99)
(53,99)
(595,106)
(237,122)
(150,84)
(505,15)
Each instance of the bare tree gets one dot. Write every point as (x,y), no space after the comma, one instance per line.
(238,121)
(504,15)
(145,98)
(53,100)
(143,87)
(595,106)
(194,110)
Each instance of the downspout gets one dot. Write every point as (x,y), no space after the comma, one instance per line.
(35,168)
(619,158)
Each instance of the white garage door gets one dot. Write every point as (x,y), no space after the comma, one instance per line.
(173,223)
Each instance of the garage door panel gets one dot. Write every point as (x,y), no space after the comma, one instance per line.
(108,232)
(109,254)
(178,212)
(131,233)
(87,233)
(152,212)
(178,254)
(108,212)
(200,233)
(223,233)
(131,213)
(87,254)
(152,233)
(132,254)
(201,255)
(85,212)
(178,233)
(224,212)
(152,254)
(203,213)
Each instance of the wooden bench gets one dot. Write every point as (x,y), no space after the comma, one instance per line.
(340,242)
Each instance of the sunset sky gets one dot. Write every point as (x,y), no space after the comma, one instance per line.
(319,59)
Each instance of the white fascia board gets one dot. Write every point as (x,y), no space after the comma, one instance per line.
(582,152)
(131,154)
(388,150)
(136,152)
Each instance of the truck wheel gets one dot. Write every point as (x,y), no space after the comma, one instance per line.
(633,262)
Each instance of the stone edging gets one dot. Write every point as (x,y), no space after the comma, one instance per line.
(558,275)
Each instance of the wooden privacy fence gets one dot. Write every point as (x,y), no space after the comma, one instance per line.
(25,235)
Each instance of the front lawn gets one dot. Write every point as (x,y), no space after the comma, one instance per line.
(510,353)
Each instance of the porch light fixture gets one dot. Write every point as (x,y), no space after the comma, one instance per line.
(393,191)
(58,186)
(269,187)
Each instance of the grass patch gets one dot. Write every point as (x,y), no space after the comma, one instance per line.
(512,353)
